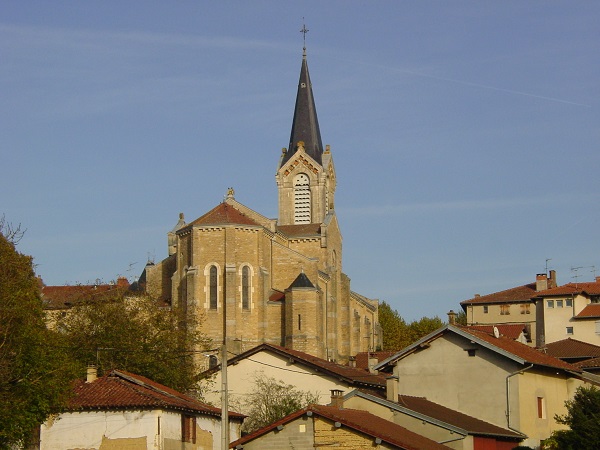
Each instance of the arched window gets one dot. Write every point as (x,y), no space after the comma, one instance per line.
(301,198)
(245,287)
(213,288)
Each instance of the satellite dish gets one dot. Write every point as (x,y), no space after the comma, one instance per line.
(496,332)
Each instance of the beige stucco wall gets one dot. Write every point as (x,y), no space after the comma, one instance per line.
(557,319)
(517,314)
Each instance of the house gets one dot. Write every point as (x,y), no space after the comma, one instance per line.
(570,310)
(124,410)
(436,422)
(512,306)
(334,426)
(278,281)
(496,379)
(305,371)
(581,354)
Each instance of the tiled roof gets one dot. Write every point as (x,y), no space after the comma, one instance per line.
(592,288)
(351,375)
(221,214)
(510,330)
(302,281)
(276,296)
(304,230)
(572,348)
(588,364)
(513,295)
(470,424)
(62,297)
(357,420)
(529,354)
(362,358)
(591,310)
(119,390)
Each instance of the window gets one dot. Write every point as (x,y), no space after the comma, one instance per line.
(549,303)
(485,309)
(541,408)
(188,428)
(559,303)
(213,287)
(301,198)
(525,308)
(245,287)
(569,330)
(299,321)
(504,310)
(569,302)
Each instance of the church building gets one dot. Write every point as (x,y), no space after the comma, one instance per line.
(276,281)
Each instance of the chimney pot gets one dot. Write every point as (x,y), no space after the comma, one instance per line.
(337,398)
(391,385)
(451,317)
(92,373)
(541,282)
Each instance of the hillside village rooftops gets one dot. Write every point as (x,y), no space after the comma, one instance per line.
(591,288)
(119,390)
(509,330)
(513,295)
(572,348)
(357,420)
(64,297)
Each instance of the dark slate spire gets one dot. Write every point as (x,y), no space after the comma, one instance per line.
(302,281)
(305,126)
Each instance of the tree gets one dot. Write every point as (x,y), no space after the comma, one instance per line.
(271,400)
(583,420)
(136,334)
(397,334)
(35,371)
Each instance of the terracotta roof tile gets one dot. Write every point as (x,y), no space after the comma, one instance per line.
(470,424)
(572,348)
(592,288)
(362,358)
(510,330)
(361,421)
(592,310)
(588,364)
(517,294)
(62,297)
(221,214)
(122,390)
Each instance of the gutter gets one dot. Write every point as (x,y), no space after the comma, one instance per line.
(518,372)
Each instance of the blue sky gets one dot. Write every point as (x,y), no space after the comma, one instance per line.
(465,134)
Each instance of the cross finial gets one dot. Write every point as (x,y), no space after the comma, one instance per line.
(304,30)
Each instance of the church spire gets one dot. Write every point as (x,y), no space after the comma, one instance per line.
(305,126)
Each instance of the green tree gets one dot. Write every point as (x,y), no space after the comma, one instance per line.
(271,400)
(583,420)
(35,371)
(135,333)
(397,334)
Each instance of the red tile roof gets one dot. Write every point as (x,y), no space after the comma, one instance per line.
(510,330)
(588,364)
(592,288)
(591,310)
(470,424)
(360,421)
(572,348)
(351,375)
(221,214)
(517,294)
(62,297)
(119,390)
(362,358)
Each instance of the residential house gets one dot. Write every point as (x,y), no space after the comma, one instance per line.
(334,427)
(496,379)
(122,410)
(581,354)
(512,306)
(305,371)
(570,310)
(436,422)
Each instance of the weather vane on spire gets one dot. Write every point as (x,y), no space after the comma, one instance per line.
(304,30)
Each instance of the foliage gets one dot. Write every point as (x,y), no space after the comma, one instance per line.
(397,334)
(134,333)
(271,400)
(35,372)
(583,419)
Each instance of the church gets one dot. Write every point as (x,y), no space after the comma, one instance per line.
(277,281)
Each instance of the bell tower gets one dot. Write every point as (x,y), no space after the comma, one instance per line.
(305,175)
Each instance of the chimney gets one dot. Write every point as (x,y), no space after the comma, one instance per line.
(391,388)
(92,373)
(451,317)
(552,279)
(122,282)
(372,362)
(337,398)
(598,279)
(541,282)
(352,361)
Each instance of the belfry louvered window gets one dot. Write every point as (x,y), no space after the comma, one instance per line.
(301,198)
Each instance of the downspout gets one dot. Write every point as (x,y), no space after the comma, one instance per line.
(508,396)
